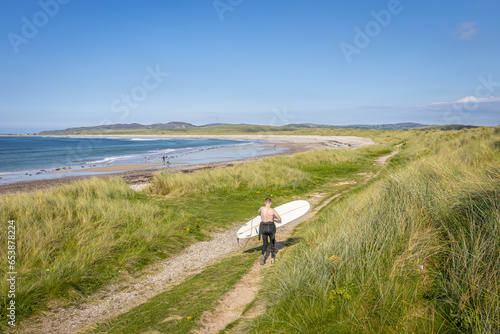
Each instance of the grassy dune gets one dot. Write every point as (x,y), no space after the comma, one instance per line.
(359,267)
(269,175)
(73,239)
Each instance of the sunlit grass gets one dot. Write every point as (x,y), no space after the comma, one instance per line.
(440,211)
(73,238)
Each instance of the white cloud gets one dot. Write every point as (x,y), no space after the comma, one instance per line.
(468,110)
(465,100)
(467,30)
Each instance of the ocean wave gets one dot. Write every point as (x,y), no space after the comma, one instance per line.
(112,159)
(162,151)
(140,156)
(149,139)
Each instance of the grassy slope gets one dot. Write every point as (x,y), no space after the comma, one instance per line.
(73,239)
(359,267)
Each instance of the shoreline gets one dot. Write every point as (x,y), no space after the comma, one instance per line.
(294,143)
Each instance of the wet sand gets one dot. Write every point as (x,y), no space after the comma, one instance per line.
(113,168)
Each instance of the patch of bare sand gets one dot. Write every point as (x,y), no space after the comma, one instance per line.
(113,168)
(344,183)
(383,160)
(232,305)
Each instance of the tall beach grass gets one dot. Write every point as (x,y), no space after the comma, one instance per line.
(71,239)
(282,172)
(417,252)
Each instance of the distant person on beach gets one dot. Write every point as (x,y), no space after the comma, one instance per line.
(163,160)
(268,229)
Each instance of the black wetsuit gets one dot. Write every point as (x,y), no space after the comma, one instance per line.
(268,229)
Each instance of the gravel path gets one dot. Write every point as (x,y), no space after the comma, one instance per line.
(120,298)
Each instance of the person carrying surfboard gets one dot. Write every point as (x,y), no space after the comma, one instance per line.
(268,229)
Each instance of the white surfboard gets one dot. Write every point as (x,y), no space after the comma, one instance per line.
(288,213)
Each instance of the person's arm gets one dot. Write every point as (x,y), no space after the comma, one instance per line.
(259,210)
(276,215)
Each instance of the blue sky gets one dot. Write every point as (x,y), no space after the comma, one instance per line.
(67,63)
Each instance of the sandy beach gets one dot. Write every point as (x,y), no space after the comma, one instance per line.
(312,142)
(141,173)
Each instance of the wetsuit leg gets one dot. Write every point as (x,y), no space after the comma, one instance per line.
(273,245)
(265,243)
(272,236)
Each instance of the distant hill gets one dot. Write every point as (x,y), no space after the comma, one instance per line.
(183,127)
(311,125)
(131,126)
(215,124)
(397,126)
(448,127)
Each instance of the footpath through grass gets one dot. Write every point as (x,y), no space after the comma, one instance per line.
(179,309)
(73,239)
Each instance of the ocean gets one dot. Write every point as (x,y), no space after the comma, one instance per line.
(32,157)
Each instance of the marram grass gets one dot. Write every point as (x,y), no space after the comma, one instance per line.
(72,238)
(417,252)
(276,173)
